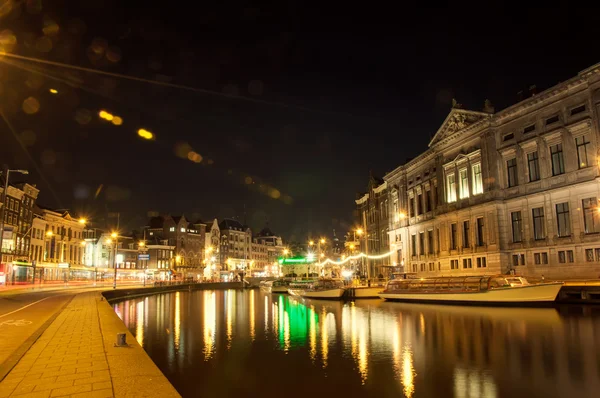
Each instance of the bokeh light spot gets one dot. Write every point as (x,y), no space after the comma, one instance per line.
(48,157)
(34,6)
(182,149)
(81,192)
(210,161)
(248,180)
(53,91)
(113,54)
(287,199)
(274,193)
(8,40)
(145,134)
(31,106)
(117,121)
(50,28)
(194,157)
(43,44)
(83,116)
(99,46)
(27,138)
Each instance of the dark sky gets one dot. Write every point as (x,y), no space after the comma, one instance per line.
(339,92)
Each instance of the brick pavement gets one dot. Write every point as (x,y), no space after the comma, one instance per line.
(72,358)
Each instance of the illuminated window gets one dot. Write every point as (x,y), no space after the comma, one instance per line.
(477,180)
(463,183)
(451,184)
(584,151)
(591,217)
(172,229)
(182,229)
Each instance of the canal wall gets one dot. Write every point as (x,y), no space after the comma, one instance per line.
(121,294)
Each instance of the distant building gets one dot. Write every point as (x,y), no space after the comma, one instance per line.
(235,245)
(266,249)
(498,192)
(374,210)
(64,246)
(18,218)
(188,239)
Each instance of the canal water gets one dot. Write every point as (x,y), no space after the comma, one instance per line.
(250,344)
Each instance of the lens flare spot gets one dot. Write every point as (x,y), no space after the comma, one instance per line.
(43,44)
(53,91)
(31,106)
(113,54)
(83,116)
(145,134)
(274,193)
(99,46)
(248,180)
(194,157)
(8,40)
(182,149)
(117,121)
(34,6)
(48,157)
(27,138)
(50,28)
(105,115)
(287,199)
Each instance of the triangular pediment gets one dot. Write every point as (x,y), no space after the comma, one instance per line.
(456,121)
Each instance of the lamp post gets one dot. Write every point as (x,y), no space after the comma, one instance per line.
(115,236)
(7,172)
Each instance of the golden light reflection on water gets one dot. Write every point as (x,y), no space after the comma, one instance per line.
(312,333)
(266,315)
(408,371)
(252,320)
(473,384)
(177,326)
(286,331)
(229,317)
(210,323)
(324,338)
(139,323)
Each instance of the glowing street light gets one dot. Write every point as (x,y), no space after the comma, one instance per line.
(145,134)
(311,242)
(142,243)
(402,215)
(322,240)
(286,252)
(114,235)
(82,243)
(359,231)
(178,259)
(82,221)
(49,233)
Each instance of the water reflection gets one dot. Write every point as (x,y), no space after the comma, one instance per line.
(369,347)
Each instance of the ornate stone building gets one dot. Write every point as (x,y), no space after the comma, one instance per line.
(514,190)
(374,211)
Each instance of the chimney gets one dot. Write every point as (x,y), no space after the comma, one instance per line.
(533,90)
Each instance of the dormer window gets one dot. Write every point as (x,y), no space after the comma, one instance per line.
(551,120)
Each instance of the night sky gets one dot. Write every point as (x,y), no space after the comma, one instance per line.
(295,105)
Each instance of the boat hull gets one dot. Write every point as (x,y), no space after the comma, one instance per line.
(274,289)
(530,294)
(365,292)
(319,294)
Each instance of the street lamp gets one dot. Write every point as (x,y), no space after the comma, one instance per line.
(7,172)
(82,221)
(115,236)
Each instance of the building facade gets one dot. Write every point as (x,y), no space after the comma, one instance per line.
(266,249)
(236,245)
(18,218)
(188,239)
(373,212)
(509,191)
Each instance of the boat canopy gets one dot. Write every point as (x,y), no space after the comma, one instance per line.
(455,283)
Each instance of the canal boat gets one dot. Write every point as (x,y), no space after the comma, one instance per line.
(496,289)
(276,286)
(319,289)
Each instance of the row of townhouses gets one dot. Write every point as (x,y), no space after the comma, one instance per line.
(496,192)
(46,245)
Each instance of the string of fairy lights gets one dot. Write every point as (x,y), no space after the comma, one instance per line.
(354,257)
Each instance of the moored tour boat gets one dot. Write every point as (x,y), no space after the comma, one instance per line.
(321,289)
(276,286)
(499,289)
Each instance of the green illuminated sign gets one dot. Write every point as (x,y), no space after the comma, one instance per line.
(295,260)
